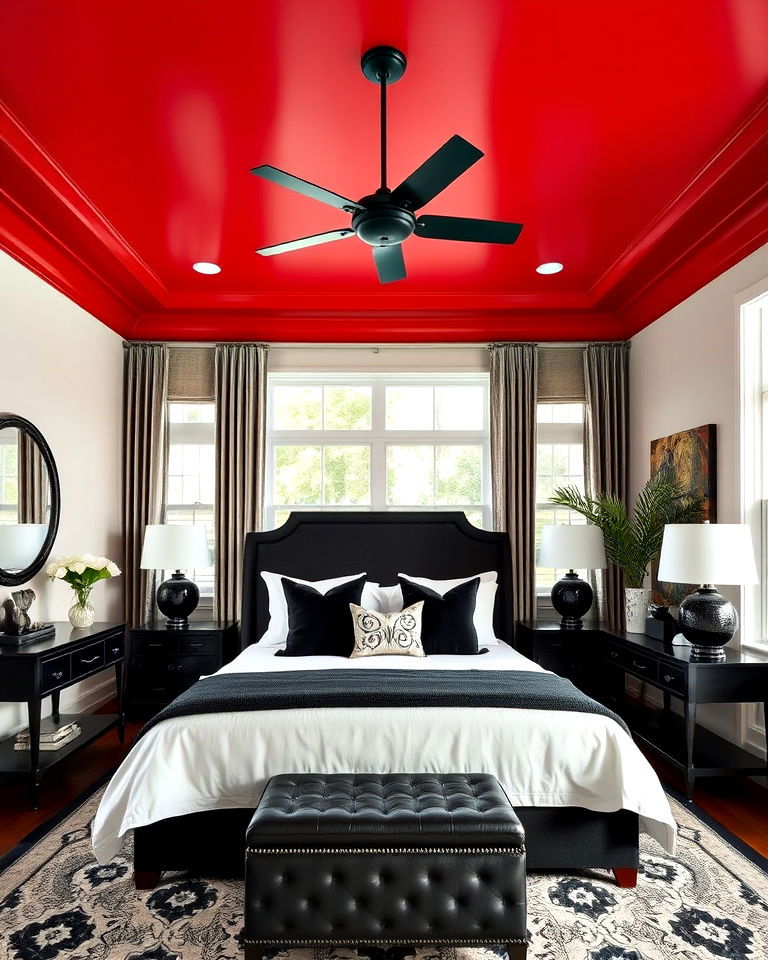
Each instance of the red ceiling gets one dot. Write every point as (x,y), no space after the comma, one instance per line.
(631,139)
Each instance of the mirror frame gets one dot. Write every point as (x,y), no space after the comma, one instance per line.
(14,579)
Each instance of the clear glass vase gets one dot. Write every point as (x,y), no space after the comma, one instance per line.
(81,613)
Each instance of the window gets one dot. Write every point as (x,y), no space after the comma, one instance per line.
(9,477)
(559,463)
(191,475)
(754,460)
(378,442)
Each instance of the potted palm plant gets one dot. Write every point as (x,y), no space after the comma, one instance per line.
(633,540)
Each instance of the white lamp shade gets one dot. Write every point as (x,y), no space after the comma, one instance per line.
(707,553)
(20,544)
(577,547)
(175,547)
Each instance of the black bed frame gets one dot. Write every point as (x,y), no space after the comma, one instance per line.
(314,546)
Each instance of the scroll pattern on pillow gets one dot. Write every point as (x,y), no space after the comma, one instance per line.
(382,634)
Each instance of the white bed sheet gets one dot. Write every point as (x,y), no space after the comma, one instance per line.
(542,758)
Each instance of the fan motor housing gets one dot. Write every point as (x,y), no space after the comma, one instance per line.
(382,224)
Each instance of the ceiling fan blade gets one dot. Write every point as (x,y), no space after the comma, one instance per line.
(434,175)
(465,228)
(312,241)
(390,264)
(305,188)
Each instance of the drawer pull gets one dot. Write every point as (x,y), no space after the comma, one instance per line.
(92,660)
(639,666)
(115,651)
(668,678)
(613,653)
(58,675)
(158,689)
(196,643)
(159,645)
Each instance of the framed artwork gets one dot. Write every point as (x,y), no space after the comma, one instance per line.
(691,458)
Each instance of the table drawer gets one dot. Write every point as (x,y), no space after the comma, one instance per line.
(161,667)
(635,663)
(672,678)
(199,645)
(167,645)
(54,672)
(114,649)
(88,659)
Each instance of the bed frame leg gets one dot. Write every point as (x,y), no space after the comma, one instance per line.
(146,879)
(625,876)
(517,951)
(254,951)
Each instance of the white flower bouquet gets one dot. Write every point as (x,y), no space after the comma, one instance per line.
(82,572)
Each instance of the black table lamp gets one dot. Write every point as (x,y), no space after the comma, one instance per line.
(576,547)
(176,547)
(707,553)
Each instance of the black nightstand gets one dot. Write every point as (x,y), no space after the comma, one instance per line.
(597,659)
(164,662)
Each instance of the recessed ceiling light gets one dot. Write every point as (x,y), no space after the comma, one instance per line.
(552,267)
(204,267)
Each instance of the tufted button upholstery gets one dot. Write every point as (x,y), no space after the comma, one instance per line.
(398,858)
(364,809)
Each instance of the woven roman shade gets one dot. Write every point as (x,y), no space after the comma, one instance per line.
(561,375)
(191,374)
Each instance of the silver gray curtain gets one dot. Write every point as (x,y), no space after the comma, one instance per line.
(145,455)
(513,463)
(241,421)
(606,452)
(34,486)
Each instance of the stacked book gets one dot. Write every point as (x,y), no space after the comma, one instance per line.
(52,736)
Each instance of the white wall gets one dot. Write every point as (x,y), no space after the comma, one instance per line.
(62,370)
(684,372)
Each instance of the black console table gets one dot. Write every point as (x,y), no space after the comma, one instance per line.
(163,662)
(38,670)
(597,659)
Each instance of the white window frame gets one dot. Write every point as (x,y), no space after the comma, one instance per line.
(752,316)
(546,433)
(198,434)
(378,437)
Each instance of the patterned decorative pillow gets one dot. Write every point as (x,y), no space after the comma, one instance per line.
(382,634)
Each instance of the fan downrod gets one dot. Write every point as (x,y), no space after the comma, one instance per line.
(383,63)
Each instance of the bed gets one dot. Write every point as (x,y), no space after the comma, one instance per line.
(187,790)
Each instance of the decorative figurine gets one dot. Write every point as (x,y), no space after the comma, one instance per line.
(18,627)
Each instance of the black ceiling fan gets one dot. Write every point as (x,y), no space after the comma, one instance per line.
(386,218)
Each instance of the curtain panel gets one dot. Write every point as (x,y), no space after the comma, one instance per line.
(513,385)
(606,453)
(145,455)
(241,421)
(34,485)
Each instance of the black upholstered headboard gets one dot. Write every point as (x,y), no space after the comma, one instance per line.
(317,546)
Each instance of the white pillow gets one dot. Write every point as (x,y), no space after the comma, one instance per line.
(486,597)
(382,599)
(276,633)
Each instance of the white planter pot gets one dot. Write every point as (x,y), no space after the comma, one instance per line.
(636,600)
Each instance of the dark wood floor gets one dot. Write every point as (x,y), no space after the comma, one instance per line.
(739,804)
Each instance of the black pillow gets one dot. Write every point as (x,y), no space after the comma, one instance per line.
(446,622)
(320,624)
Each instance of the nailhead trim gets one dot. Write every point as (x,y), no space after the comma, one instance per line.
(326,851)
(468,941)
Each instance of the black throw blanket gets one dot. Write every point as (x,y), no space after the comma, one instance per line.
(305,689)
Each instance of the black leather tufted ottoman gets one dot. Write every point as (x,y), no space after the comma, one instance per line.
(385,859)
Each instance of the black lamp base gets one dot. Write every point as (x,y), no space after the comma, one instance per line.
(708,621)
(177,598)
(572,597)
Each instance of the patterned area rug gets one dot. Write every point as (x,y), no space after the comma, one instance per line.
(711,901)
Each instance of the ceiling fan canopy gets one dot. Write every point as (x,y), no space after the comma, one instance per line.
(386,218)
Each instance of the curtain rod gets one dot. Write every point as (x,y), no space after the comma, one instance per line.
(464,345)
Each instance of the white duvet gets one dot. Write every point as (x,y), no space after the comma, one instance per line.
(542,758)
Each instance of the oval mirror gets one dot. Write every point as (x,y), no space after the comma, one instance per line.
(29,500)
